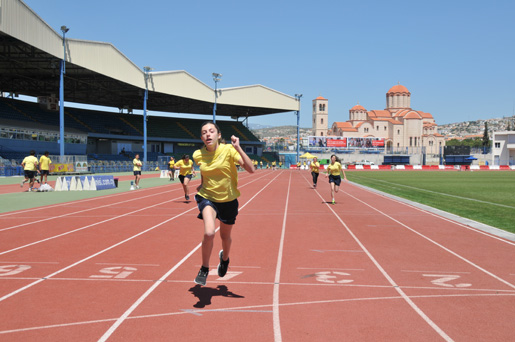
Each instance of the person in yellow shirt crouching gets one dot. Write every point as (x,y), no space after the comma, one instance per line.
(334,170)
(218,192)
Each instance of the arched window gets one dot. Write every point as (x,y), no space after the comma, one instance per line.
(322,134)
(322,121)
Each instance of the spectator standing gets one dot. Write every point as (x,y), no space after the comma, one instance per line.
(137,170)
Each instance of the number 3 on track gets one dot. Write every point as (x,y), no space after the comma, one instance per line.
(331,277)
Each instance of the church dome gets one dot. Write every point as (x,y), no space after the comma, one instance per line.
(358,107)
(398,89)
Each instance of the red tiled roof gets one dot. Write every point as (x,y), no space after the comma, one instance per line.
(412,115)
(382,113)
(398,89)
(425,115)
(358,107)
(320,98)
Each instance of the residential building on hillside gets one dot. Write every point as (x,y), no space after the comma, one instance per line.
(401,127)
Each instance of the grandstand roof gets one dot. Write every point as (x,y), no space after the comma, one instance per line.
(98,73)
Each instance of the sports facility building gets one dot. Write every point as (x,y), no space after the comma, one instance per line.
(97,73)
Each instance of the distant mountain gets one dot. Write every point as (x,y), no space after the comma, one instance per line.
(258,126)
(280,131)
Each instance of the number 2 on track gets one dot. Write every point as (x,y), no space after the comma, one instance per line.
(444,279)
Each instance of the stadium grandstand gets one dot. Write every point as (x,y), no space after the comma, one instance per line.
(99,74)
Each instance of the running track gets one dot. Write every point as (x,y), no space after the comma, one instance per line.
(121,268)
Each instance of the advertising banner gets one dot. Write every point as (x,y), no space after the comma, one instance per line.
(81,166)
(61,168)
(344,142)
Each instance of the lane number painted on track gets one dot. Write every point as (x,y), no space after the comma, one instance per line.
(9,270)
(228,275)
(333,277)
(445,279)
(118,272)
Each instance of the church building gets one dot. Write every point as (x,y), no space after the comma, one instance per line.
(401,126)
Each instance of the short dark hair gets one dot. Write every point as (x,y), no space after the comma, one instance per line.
(32,152)
(46,152)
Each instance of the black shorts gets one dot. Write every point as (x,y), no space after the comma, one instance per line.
(29,174)
(335,179)
(181,178)
(137,173)
(226,212)
(44,172)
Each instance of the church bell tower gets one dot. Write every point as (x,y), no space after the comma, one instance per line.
(320,116)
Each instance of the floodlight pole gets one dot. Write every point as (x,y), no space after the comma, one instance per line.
(216,77)
(64,29)
(146,70)
(297,97)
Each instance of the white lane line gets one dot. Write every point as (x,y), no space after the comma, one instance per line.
(250,308)
(432,324)
(437,244)
(49,218)
(84,227)
(98,253)
(449,195)
(122,264)
(277,279)
(46,207)
(330,268)
(28,262)
(90,257)
(97,223)
(450,272)
(133,307)
(384,195)
(318,284)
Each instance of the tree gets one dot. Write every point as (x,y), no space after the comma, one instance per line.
(486,138)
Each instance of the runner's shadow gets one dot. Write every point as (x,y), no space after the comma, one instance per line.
(204,294)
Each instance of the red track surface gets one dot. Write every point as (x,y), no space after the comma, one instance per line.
(121,268)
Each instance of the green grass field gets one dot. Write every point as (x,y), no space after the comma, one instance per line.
(484,196)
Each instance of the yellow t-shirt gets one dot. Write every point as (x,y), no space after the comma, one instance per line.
(334,169)
(219,174)
(185,168)
(44,163)
(171,164)
(30,163)
(137,164)
(315,167)
(273,163)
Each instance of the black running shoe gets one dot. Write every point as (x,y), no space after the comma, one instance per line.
(202,276)
(223,265)
(187,197)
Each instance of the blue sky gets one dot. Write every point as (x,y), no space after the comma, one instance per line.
(456,57)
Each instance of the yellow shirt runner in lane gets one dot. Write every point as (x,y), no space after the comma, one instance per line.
(185,168)
(219,173)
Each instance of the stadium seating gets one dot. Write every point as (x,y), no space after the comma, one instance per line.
(117,123)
